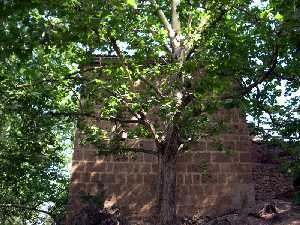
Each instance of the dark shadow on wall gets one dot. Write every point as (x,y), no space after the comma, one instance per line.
(209,181)
(130,184)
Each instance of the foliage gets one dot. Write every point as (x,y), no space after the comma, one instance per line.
(161,71)
(33,144)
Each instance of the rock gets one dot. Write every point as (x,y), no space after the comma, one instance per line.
(93,215)
(262,213)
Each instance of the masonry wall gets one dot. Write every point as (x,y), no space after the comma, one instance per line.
(208,181)
(269,178)
(270,182)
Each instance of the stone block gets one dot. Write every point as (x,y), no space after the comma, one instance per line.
(78,155)
(210,178)
(202,157)
(225,168)
(185,157)
(194,168)
(90,155)
(245,178)
(145,168)
(109,167)
(188,179)
(199,147)
(99,167)
(196,179)
(150,180)
(77,188)
(150,158)
(85,177)
(213,168)
(244,137)
(246,157)
(229,145)
(223,178)
(123,167)
(181,167)
(243,146)
(154,168)
(147,144)
(241,168)
(135,179)
(220,157)
(89,166)
(94,177)
(121,178)
(120,158)
(107,179)
(75,178)
(136,168)
(179,179)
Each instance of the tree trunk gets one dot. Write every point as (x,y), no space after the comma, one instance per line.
(166,206)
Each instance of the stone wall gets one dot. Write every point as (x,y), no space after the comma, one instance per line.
(270,182)
(208,181)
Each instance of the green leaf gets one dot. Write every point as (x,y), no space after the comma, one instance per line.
(132,3)
(279,17)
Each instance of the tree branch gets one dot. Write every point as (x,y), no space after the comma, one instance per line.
(167,48)
(156,90)
(28,208)
(93,115)
(259,104)
(116,48)
(125,102)
(124,64)
(143,120)
(164,20)
(141,117)
(175,17)
(204,24)
(294,78)
(177,51)
(254,17)
(265,75)
(67,77)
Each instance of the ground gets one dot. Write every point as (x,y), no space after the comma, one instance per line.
(286,214)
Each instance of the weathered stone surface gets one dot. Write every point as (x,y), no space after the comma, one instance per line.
(258,214)
(208,181)
(270,182)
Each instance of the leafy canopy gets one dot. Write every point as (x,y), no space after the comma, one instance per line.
(166,63)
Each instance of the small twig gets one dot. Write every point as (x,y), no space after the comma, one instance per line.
(93,115)
(157,91)
(67,77)
(30,209)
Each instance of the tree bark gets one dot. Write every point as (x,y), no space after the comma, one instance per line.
(166,206)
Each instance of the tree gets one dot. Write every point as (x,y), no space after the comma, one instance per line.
(153,51)
(33,146)
(34,178)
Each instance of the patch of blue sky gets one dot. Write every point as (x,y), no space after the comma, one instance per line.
(261,4)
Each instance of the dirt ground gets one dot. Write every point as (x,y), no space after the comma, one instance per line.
(277,212)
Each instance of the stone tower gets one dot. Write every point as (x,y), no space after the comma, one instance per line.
(208,181)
